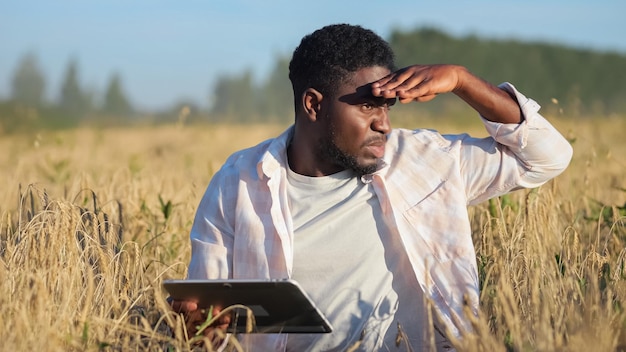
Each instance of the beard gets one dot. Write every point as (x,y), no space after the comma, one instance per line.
(329,149)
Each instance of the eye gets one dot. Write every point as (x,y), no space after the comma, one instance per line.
(367,106)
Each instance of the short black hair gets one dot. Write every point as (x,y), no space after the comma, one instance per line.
(326,57)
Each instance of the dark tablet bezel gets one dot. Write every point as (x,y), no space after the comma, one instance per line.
(278,306)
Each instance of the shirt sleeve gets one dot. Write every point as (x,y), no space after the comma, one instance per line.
(524,155)
(212,233)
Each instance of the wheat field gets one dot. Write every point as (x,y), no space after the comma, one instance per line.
(93,220)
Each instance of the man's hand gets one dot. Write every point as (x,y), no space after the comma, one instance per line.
(423,83)
(419,82)
(196,317)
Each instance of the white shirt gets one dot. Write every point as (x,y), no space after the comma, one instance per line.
(354,268)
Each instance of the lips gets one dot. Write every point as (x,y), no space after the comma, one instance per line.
(377,148)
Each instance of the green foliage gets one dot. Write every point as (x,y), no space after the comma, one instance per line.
(28,85)
(27,110)
(483,262)
(115,101)
(276,95)
(15,116)
(72,100)
(134,164)
(612,217)
(235,96)
(166,208)
(85,334)
(581,81)
(240,98)
(496,205)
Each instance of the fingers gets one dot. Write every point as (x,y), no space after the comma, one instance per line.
(198,318)
(421,99)
(417,83)
(409,92)
(183,306)
(407,79)
(385,87)
(212,335)
(217,320)
(377,86)
(223,320)
(400,80)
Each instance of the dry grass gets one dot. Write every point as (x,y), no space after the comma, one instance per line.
(91,222)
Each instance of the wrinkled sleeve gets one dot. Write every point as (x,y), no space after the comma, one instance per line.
(524,155)
(212,231)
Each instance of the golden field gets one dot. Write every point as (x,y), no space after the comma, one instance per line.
(93,220)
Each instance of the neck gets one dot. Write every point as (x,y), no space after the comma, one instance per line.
(303,158)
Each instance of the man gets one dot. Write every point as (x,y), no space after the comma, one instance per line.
(371,221)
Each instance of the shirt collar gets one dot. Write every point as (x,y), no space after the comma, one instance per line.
(275,156)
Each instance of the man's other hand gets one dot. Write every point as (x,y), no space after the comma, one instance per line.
(197,318)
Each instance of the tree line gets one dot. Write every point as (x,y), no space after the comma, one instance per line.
(562,79)
(27,106)
(580,81)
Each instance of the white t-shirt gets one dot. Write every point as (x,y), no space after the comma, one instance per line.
(355,270)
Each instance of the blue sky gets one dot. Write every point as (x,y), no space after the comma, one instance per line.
(172,50)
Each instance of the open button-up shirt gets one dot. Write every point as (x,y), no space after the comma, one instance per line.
(243,226)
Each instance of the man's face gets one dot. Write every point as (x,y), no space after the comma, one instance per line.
(356,123)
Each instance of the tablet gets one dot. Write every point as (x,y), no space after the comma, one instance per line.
(278,306)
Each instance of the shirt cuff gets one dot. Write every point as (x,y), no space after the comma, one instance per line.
(514,134)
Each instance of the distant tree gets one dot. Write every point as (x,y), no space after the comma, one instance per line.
(234,97)
(276,95)
(28,85)
(72,100)
(115,101)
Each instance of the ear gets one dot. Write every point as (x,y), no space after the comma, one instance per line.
(312,103)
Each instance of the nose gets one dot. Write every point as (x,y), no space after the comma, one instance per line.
(381,121)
